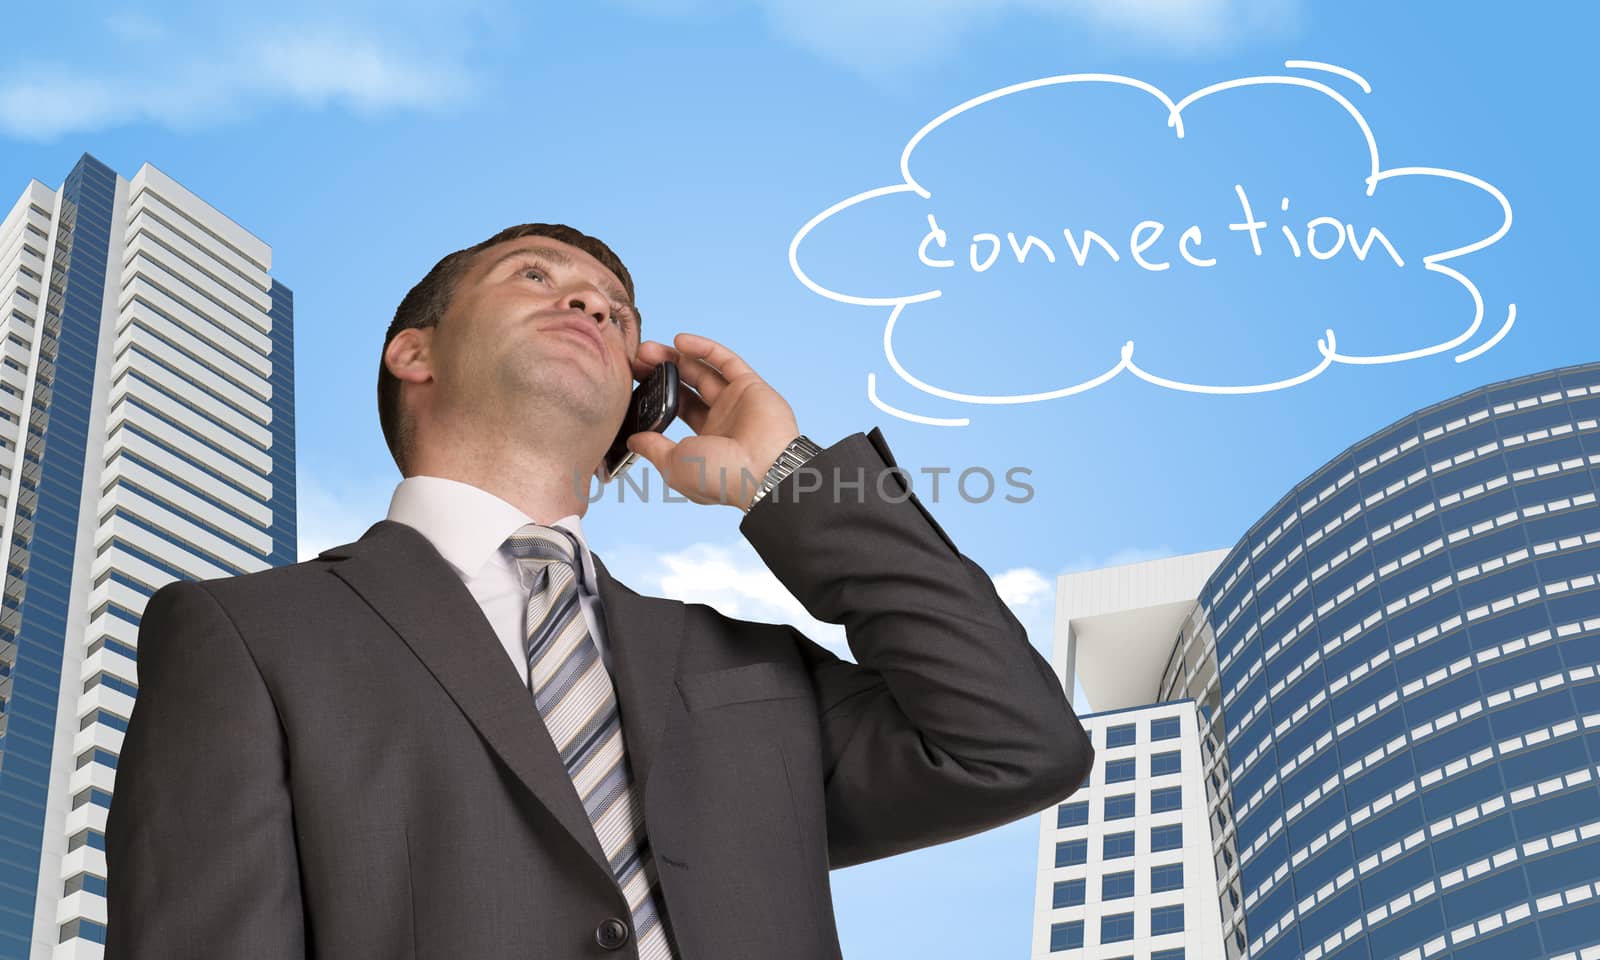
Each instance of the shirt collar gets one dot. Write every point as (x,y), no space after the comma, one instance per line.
(469,525)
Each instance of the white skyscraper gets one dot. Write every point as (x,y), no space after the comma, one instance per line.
(1127,865)
(146,435)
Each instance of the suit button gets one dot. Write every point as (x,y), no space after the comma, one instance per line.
(611,934)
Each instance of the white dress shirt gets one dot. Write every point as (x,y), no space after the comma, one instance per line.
(469,527)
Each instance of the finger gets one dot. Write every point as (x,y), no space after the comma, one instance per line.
(654,447)
(705,378)
(714,353)
(650,355)
(692,409)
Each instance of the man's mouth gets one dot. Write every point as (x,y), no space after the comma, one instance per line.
(569,322)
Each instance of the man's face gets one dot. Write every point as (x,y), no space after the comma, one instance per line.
(536,327)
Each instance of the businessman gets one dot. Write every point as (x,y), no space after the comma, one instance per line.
(460,736)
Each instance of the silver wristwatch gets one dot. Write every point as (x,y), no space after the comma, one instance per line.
(799,450)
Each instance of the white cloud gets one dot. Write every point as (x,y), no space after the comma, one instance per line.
(734,580)
(1181,25)
(314,68)
(1032,598)
(328,517)
(183,76)
(879,35)
(1024,585)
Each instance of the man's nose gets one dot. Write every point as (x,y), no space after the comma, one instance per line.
(590,300)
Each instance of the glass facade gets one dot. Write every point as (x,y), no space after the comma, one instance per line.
(44,537)
(285,523)
(1400,663)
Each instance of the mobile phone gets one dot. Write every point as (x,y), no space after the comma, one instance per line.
(654,406)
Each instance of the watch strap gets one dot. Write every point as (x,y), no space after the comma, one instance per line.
(799,450)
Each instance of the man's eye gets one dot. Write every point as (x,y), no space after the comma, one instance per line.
(533,270)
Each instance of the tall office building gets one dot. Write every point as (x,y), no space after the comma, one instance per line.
(146,435)
(1397,671)
(1123,880)
(1143,818)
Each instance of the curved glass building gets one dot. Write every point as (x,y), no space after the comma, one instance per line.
(1396,671)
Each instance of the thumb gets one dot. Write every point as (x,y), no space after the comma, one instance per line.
(654,447)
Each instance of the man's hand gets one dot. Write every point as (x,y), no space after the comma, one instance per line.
(741,424)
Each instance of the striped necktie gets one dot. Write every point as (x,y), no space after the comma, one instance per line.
(574,694)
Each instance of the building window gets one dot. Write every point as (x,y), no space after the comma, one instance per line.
(103,716)
(1164,729)
(1168,876)
(1125,735)
(1167,798)
(1066,936)
(97,755)
(1120,771)
(1162,764)
(1070,853)
(1166,838)
(1068,893)
(1176,953)
(1072,814)
(111,680)
(92,795)
(1119,807)
(1116,928)
(84,881)
(1117,845)
(1116,886)
(93,838)
(1166,920)
(87,929)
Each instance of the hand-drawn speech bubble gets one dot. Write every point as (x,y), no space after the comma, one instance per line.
(1325,237)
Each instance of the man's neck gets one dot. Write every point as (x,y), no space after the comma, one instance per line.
(542,488)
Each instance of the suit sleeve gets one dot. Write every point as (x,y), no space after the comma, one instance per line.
(200,849)
(950,722)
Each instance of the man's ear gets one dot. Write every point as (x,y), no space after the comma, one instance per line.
(409,356)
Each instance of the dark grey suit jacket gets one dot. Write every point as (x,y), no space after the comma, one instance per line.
(335,759)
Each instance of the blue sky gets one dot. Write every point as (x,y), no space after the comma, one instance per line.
(698,138)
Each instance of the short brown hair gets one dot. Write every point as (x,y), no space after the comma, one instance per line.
(425,305)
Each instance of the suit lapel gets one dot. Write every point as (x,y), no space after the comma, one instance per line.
(415,590)
(644,635)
